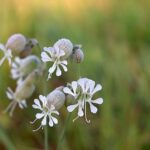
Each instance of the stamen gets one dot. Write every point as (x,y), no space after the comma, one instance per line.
(75,118)
(13,108)
(2,60)
(8,107)
(32,122)
(37,128)
(88,121)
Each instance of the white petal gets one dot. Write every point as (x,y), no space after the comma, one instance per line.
(14,66)
(18,60)
(58,71)
(23,102)
(10,90)
(72,107)
(64,62)
(9,95)
(2,60)
(15,74)
(97,88)
(81,82)
(93,108)
(21,106)
(36,107)
(2,47)
(9,60)
(39,115)
(43,99)
(55,112)
(56,48)
(80,111)
(74,86)
(36,101)
(44,120)
(50,122)
(68,91)
(55,120)
(52,69)
(97,101)
(64,67)
(45,57)
(49,50)
(92,84)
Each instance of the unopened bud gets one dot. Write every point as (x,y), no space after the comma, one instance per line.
(56,98)
(77,55)
(28,47)
(66,46)
(16,43)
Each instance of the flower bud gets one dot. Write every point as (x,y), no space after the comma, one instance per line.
(28,47)
(16,43)
(66,46)
(77,55)
(56,98)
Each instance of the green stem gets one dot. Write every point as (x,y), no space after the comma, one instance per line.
(46,137)
(62,135)
(78,72)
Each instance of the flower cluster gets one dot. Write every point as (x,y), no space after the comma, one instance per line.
(27,68)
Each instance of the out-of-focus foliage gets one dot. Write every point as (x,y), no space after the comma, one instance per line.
(116,41)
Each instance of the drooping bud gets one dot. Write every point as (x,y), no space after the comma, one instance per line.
(77,55)
(56,98)
(23,91)
(22,67)
(66,46)
(16,43)
(28,47)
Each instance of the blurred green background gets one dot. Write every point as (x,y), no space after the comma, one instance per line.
(116,41)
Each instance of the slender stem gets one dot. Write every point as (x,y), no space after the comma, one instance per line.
(78,71)
(62,135)
(46,137)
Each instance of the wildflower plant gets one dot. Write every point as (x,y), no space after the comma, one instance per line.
(27,68)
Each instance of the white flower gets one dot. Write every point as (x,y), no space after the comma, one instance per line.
(23,91)
(46,112)
(83,91)
(7,54)
(14,101)
(54,54)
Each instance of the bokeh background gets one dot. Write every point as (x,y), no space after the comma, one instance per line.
(116,41)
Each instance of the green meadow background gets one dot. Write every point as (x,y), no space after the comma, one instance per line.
(115,36)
